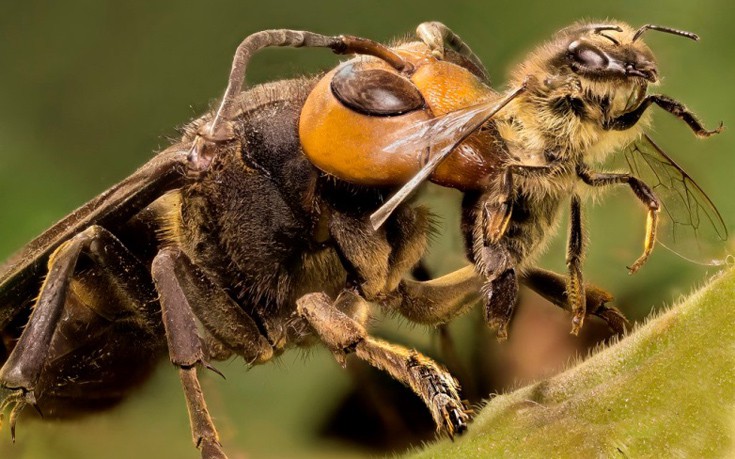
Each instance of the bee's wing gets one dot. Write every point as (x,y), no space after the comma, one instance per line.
(690,224)
(21,274)
(439,136)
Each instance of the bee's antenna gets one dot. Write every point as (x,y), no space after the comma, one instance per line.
(593,28)
(681,33)
(597,28)
(608,37)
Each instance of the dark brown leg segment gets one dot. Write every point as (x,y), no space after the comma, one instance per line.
(185,350)
(501,293)
(672,106)
(553,287)
(184,291)
(224,319)
(20,374)
(438,389)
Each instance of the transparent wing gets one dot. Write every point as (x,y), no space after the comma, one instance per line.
(441,133)
(690,224)
(438,137)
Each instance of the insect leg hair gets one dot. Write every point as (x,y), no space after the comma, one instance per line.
(553,287)
(496,212)
(643,192)
(218,313)
(575,254)
(21,372)
(437,388)
(676,108)
(436,36)
(492,255)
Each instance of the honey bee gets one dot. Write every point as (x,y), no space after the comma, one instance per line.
(574,101)
(279,218)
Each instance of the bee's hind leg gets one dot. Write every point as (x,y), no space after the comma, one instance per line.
(343,335)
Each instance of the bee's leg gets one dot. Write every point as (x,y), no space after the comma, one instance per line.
(676,108)
(436,36)
(485,220)
(501,294)
(183,291)
(343,335)
(642,192)
(21,372)
(553,287)
(497,209)
(575,254)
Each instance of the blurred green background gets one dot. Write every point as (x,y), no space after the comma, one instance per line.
(90,89)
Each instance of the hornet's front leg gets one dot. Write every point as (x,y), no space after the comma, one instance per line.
(437,36)
(642,192)
(554,287)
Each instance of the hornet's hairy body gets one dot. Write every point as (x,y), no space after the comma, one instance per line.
(273,222)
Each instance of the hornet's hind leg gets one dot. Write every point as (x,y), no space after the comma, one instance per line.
(133,302)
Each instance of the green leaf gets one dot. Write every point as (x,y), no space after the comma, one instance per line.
(667,389)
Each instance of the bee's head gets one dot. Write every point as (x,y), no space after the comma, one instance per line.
(602,52)
(607,52)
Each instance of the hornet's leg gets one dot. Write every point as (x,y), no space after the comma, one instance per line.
(436,36)
(19,376)
(182,291)
(553,287)
(343,335)
(436,301)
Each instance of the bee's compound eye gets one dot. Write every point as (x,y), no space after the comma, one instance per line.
(587,56)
